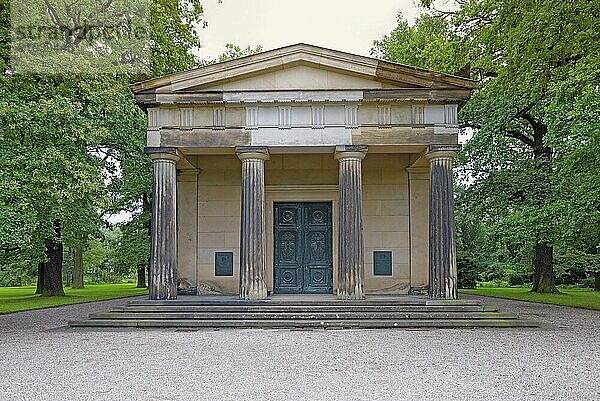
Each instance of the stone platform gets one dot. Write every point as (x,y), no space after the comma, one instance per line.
(303,312)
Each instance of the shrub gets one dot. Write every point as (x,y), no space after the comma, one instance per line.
(16,274)
(494,284)
(516,277)
(587,282)
(574,267)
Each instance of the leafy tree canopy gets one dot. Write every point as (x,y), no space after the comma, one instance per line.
(531,166)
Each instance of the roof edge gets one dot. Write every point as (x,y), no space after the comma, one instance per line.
(385,70)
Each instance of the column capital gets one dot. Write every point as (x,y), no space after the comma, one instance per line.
(252,152)
(350,152)
(162,153)
(442,151)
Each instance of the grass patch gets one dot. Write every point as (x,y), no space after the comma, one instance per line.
(577,298)
(17,299)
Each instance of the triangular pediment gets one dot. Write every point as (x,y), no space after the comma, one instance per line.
(302,67)
(296,76)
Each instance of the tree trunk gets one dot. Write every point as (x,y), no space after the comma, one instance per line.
(141,276)
(543,259)
(77,268)
(52,285)
(40,278)
(543,276)
(597,281)
(68,266)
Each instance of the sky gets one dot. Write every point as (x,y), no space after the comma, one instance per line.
(347,25)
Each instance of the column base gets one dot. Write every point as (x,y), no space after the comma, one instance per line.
(418,291)
(449,291)
(162,297)
(346,296)
(254,292)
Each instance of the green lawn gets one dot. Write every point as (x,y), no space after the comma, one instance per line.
(15,299)
(578,298)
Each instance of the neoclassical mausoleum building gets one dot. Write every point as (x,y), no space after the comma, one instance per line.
(303,170)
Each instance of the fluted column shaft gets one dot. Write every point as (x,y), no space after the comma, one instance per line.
(253,234)
(350,242)
(442,238)
(163,252)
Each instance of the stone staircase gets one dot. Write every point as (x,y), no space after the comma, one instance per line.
(295,312)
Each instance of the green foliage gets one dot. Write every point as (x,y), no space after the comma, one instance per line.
(17,273)
(82,37)
(574,125)
(48,129)
(430,44)
(175,35)
(233,52)
(531,169)
(65,136)
(470,250)
(132,251)
(468,272)
(534,64)
(574,267)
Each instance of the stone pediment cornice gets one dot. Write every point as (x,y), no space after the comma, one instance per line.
(302,54)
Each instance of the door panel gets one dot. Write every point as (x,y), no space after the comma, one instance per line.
(317,258)
(289,274)
(303,248)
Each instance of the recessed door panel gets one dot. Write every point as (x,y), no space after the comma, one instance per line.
(303,248)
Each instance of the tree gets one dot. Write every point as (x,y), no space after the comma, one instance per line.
(529,58)
(65,134)
(233,52)
(175,36)
(132,252)
(77,280)
(50,182)
(430,43)
(535,61)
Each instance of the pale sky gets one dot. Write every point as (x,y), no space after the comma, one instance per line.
(347,25)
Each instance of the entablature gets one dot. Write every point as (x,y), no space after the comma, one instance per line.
(312,115)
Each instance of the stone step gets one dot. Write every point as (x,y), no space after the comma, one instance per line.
(292,301)
(304,323)
(303,312)
(300,308)
(299,315)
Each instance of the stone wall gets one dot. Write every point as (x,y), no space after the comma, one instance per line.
(386,221)
(219,193)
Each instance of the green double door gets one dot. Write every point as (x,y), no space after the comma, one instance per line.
(303,256)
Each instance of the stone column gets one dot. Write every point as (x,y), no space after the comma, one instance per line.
(418,195)
(442,242)
(162,281)
(252,230)
(351,259)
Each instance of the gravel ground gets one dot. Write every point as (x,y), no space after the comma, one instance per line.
(559,361)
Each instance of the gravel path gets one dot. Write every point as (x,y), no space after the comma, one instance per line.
(44,319)
(560,361)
